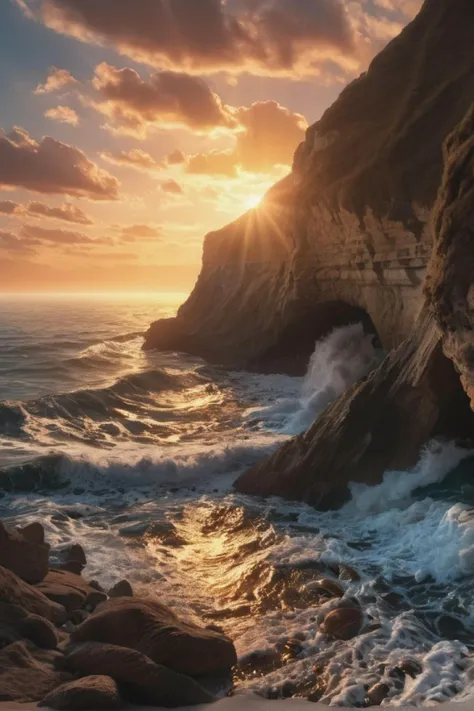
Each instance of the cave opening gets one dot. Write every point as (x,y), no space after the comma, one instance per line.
(291,353)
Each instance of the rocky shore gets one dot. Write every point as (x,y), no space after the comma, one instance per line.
(373,225)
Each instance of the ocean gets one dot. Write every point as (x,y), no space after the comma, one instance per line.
(133,455)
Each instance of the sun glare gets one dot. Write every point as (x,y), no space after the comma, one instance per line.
(253,201)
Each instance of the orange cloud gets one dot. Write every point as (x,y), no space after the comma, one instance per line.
(133,104)
(66,212)
(140,233)
(267,37)
(57,79)
(135,158)
(63,114)
(50,166)
(213,163)
(14,245)
(61,237)
(171,186)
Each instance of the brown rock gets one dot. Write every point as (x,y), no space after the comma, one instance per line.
(121,589)
(329,587)
(16,592)
(76,552)
(154,630)
(96,585)
(411,667)
(72,566)
(27,673)
(34,533)
(89,694)
(348,573)
(343,623)
(26,559)
(141,679)
(39,631)
(69,590)
(377,693)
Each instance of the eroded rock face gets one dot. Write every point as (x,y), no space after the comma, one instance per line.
(349,226)
(154,630)
(379,424)
(27,673)
(450,278)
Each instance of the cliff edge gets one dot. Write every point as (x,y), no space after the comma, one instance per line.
(345,236)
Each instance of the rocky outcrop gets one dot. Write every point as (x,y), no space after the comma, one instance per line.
(27,673)
(379,424)
(450,279)
(70,590)
(14,591)
(23,556)
(154,630)
(345,237)
(89,694)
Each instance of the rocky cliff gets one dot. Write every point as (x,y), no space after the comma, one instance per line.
(346,233)
(348,236)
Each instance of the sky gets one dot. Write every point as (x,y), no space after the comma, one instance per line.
(131,128)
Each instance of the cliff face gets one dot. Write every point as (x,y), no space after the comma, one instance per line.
(450,278)
(345,236)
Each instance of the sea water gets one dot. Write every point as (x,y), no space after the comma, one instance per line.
(134,454)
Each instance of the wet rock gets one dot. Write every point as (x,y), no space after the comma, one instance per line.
(153,629)
(343,623)
(290,649)
(69,590)
(328,587)
(141,680)
(17,624)
(89,694)
(411,667)
(258,663)
(27,673)
(15,591)
(377,693)
(74,559)
(348,573)
(121,589)
(23,557)
(96,585)
(34,533)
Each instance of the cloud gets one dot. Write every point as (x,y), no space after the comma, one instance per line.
(140,233)
(57,79)
(14,245)
(175,157)
(61,237)
(8,207)
(265,37)
(268,135)
(171,186)
(133,104)
(49,166)
(66,212)
(63,114)
(135,158)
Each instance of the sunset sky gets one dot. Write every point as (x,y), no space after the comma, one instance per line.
(130,128)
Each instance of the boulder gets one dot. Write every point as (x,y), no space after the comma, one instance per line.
(15,591)
(17,624)
(74,559)
(70,590)
(153,629)
(121,589)
(33,532)
(27,559)
(140,679)
(27,673)
(89,694)
(343,623)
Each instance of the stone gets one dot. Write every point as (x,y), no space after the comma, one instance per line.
(121,589)
(140,679)
(377,693)
(70,590)
(96,585)
(26,559)
(347,573)
(15,591)
(34,533)
(328,587)
(88,694)
(27,673)
(343,623)
(411,667)
(151,628)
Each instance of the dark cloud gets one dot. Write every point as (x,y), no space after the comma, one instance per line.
(176,157)
(135,158)
(61,237)
(133,104)
(57,79)
(8,207)
(171,186)
(49,166)
(206,36)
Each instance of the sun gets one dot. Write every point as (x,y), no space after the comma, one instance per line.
(253,201)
